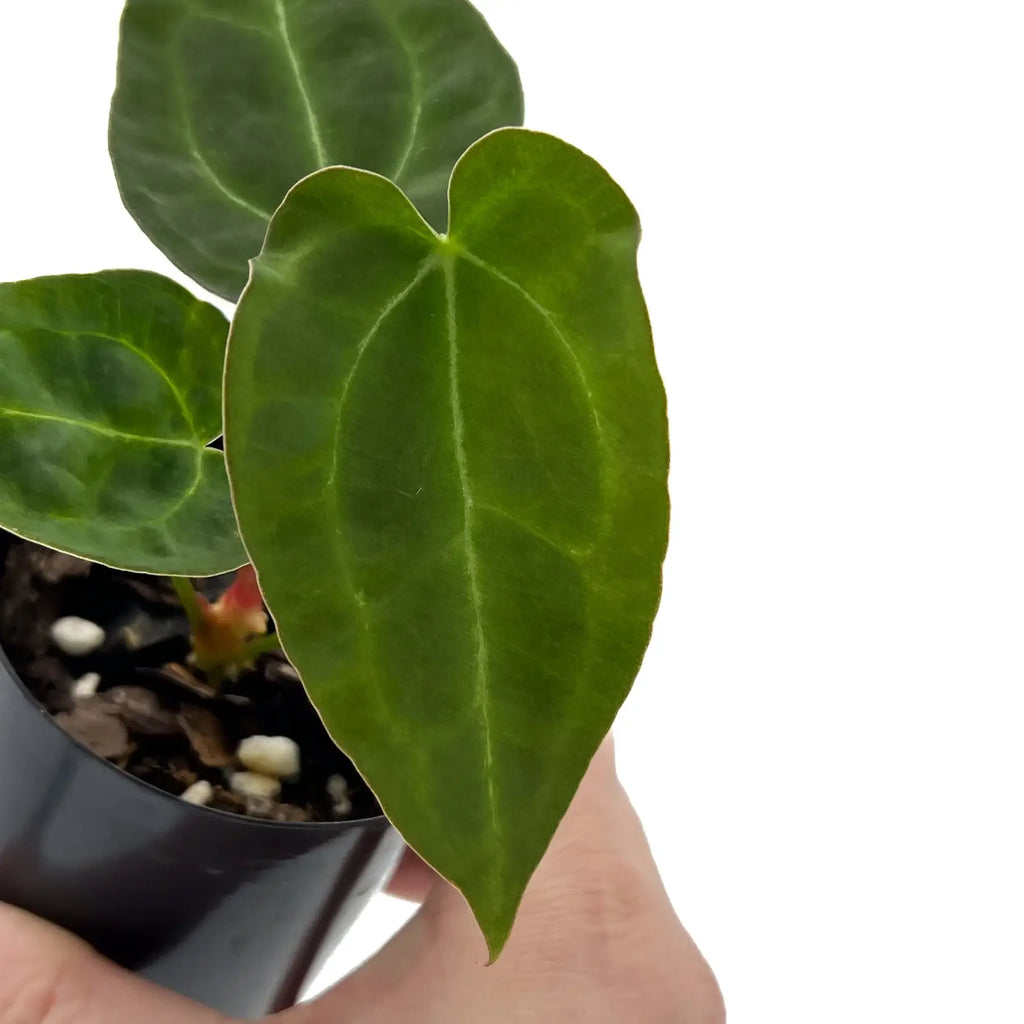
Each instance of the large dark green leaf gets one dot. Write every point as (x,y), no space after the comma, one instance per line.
(110,389)
(449,458)
(222,105)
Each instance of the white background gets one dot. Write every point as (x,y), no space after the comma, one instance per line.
(825,742)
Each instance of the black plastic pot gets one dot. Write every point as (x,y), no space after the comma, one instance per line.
(234,912)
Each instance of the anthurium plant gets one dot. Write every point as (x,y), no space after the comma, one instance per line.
(445,432)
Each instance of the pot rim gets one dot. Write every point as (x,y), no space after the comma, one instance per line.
(243,821)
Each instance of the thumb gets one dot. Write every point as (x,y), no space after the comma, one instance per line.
(50,977)
(572,955)
(596,940)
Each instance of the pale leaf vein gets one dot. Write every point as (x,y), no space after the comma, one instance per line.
(316,138)
(367,340)
(416,97)
(483,695)
(97,428)
(553,324)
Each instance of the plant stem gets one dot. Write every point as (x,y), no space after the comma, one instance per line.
(187,595)
(216,664)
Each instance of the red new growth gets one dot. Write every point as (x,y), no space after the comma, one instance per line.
(221,638)
(242,601)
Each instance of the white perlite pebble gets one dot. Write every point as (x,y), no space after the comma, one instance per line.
(338,791)
(277,756)
(255,786)
(77,637)
(86,687)
(200,794)
(337,788)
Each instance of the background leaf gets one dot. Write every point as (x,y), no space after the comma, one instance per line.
(110,389)
(222,105)
(467,446)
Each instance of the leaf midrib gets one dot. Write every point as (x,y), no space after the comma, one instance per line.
(122,435)
(100,428)
(446,255)
(483,688)
(443,256)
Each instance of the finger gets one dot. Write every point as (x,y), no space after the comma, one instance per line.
(413,880)
(50,977)
(595,933)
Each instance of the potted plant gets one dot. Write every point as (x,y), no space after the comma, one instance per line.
(433,440)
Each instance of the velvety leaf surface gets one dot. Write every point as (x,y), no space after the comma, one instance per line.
(223,105)
(110,389)
(449,458)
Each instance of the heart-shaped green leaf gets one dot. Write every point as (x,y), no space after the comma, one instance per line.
(110,390)
(449,458)
(222,105)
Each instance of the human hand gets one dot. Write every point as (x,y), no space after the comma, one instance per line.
(596,941)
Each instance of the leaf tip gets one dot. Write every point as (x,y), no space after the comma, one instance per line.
(496,921)
(496,942)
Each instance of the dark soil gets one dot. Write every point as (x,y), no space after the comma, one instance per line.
(152,715)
